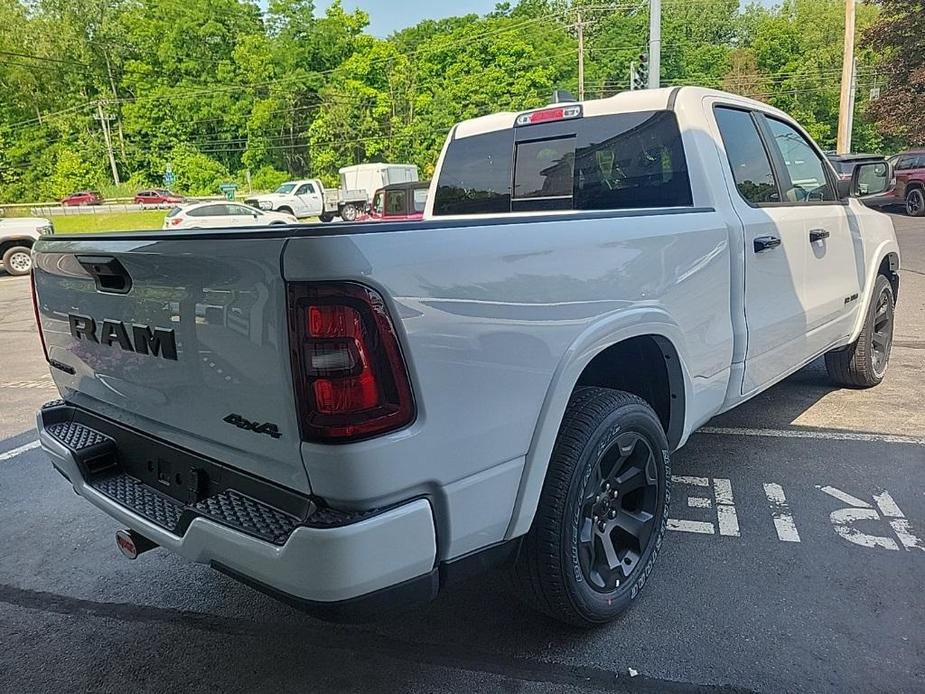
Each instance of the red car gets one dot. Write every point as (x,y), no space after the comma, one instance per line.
(82,197)
(157,198)
(909,187)
(398,202)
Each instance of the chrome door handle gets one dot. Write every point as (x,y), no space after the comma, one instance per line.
(817,235)
(766,243)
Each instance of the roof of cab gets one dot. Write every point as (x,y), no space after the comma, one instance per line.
(623,102)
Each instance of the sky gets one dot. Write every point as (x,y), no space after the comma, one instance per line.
(385,16)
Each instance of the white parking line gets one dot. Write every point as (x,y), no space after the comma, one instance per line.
(780,512)
(824,435)
(20,449)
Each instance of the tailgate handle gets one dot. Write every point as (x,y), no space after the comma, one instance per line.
(108,273)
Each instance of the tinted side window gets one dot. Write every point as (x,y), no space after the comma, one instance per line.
(748,159)
(305,189)
(904,163)
(808,182)
(209,211)
(476,175)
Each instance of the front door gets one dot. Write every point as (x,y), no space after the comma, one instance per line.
(310,202)
(834,269)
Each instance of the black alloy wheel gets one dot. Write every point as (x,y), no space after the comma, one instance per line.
(881,339)
(619,512)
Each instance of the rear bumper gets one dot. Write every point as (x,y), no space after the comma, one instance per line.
(325,567)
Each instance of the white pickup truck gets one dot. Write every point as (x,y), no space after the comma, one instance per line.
(352,416)
(17,234)
(310,198)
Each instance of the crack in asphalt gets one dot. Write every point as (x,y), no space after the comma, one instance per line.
(433,654)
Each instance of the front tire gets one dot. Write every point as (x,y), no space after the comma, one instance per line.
(863,363)
(602,513)
(326,217)
(915,202)
(18,260)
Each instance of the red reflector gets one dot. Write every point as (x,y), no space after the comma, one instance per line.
(350,379)
(333,321)
(346,394)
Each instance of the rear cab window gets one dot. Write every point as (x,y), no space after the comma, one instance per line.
(608,162)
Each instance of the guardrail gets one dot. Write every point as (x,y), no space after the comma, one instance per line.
(54,208)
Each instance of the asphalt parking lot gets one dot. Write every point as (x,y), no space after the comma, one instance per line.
(796,563)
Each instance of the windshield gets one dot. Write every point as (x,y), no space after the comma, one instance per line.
(285,188)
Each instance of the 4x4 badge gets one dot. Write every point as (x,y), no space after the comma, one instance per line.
(267,428)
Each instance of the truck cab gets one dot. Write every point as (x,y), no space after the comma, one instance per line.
(398,202)
(301,198)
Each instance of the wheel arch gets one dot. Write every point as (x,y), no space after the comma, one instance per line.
(889,268)
(886,261)
(645,338)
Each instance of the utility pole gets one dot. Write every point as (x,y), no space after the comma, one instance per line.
(843,143)
(104,121)
(581,59)
(854,96)
(655,43)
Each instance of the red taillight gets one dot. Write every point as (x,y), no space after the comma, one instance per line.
(38,315)
(351,380)
(176,220)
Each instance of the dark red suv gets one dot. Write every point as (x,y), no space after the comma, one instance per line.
(82,197)
(157,198)
(909,188)
(909,170)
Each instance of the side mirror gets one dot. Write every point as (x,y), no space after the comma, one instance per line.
(871,178)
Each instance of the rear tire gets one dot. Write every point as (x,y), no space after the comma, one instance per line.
(602,513)
(326,217)
(17,260)
(915,202)
(348,212)
(863,363)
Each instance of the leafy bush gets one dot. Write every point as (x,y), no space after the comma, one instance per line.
(267,178)
(197,174)
(72,171)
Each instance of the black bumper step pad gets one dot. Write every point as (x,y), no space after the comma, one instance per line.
(140,498)
(228,507)
(253,517)
(76,436)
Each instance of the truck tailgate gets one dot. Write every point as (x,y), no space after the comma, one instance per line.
(184,338)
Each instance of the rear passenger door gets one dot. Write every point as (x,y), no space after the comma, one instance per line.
(774,250)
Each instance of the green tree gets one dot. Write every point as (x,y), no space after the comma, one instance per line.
(899,34)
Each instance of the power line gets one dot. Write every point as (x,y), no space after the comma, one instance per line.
(32,56)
